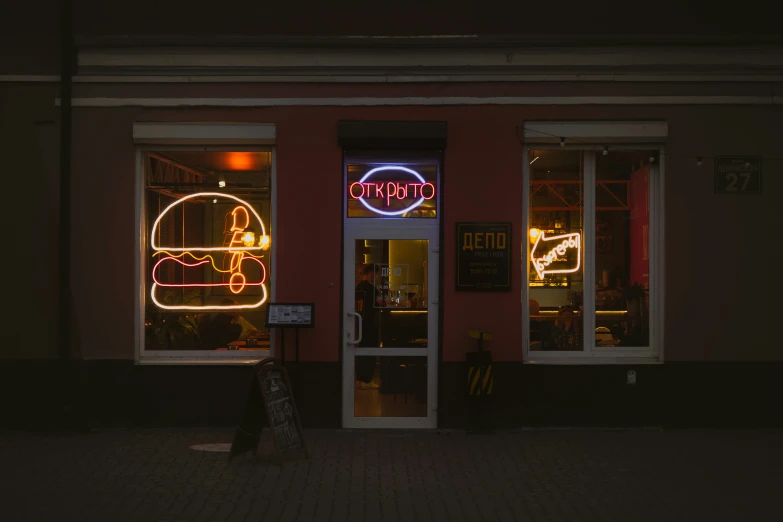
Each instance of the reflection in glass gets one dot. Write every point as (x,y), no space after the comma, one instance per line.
(554,249)
(622,257)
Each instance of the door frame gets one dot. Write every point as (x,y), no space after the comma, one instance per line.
(393,229)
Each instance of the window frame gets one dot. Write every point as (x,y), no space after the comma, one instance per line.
(191,357)
(604,354)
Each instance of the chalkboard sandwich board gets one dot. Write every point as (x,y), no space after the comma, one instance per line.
(270,405)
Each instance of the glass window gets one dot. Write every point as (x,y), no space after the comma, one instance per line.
(399,189)
(622,248)
(554,250)
(609,292)
(207,218)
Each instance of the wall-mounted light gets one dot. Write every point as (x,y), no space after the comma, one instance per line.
(222,181)
(605,151)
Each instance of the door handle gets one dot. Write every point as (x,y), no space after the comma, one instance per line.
(359,339)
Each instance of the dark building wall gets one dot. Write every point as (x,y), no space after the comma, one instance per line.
(30,152)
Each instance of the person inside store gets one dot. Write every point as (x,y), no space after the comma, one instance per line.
(562,331)
(365,306)
(220,329)
(535,325)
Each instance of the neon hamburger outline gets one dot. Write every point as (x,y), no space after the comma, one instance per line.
(238,252)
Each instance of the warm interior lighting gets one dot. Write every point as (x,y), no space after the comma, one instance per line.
(534,232)
(240,160)
(249,239)
(534,159)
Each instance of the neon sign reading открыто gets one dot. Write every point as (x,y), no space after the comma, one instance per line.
(368,191)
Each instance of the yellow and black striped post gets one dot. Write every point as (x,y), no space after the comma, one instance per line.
(480,383)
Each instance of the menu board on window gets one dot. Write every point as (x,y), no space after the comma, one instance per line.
(484,256)
(294,315)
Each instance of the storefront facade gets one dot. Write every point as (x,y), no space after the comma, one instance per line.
(216,196)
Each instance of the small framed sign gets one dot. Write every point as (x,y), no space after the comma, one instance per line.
(291,315)
(484,257)
(737,174)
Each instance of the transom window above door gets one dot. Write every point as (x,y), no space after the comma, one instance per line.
(392,189)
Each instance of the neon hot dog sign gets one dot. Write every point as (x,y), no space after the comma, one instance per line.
(372,192)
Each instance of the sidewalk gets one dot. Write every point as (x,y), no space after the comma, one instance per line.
(529,475)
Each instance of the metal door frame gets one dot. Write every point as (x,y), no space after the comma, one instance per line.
(390,229)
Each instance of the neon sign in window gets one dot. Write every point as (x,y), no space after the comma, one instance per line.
(548,250)
(240,255)
(392,191)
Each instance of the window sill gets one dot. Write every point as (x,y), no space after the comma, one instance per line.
(201,361)
(575,361)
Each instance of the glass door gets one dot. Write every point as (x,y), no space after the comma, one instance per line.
(390,334)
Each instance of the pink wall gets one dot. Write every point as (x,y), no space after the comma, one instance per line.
(717,308)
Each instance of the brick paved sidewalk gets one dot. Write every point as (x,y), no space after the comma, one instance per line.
(552,475)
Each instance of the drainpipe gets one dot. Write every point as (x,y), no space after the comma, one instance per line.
(64,258)
(73,412)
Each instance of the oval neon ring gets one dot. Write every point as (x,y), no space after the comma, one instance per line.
(396,212)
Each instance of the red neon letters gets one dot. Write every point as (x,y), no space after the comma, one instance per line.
(388,190)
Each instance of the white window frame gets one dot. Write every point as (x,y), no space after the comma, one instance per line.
(592,354)
(193,357)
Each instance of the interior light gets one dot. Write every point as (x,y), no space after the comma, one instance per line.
(605,151)
(248,239)
(221,181)
(534,159)
(264,242)
(534,232)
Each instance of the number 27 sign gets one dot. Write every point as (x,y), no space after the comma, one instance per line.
(738,175)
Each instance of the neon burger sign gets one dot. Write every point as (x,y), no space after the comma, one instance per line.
(373,193)
(236,264)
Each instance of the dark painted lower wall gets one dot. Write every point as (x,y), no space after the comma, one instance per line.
(83,394)
(48,395)
(678,394)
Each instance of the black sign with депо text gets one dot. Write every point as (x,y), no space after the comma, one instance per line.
(483,256)
(737,175)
